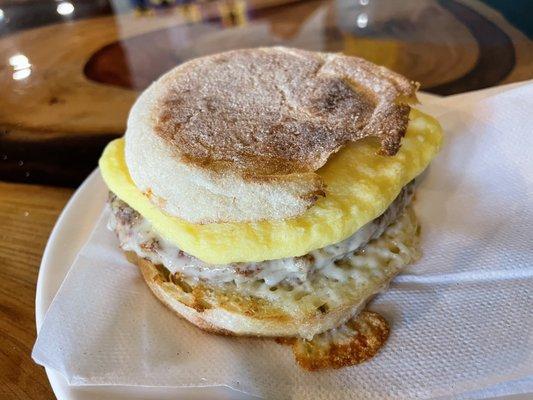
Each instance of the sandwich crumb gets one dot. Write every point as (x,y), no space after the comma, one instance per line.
(356,341)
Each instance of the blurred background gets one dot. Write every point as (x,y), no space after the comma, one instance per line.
(70,70)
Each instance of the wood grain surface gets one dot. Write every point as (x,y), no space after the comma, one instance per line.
(28,214)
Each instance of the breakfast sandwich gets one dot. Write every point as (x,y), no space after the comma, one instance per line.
(267,192)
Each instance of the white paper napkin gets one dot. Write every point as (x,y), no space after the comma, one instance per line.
(462,317)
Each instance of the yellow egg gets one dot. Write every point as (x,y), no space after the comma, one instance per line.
(360,185)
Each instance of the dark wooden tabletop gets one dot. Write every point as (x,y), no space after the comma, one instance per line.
(70,71)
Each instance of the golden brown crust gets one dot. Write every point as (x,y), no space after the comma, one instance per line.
(201,298)
(368,332)
(153,280)
(358,340)
(277,111)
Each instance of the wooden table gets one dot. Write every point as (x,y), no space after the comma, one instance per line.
(28,213)
(68,77)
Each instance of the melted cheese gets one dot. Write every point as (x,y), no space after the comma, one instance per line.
(360,186)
